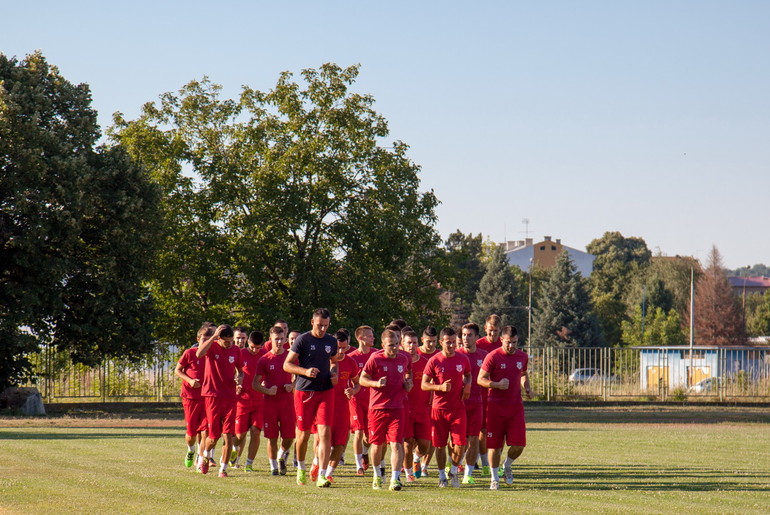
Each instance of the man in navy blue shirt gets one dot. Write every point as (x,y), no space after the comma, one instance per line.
(312,359)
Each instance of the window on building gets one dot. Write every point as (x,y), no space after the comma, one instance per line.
(542,247)
(553,247)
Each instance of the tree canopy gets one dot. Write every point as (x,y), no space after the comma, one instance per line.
(77,226)
(498,293)
(282,201)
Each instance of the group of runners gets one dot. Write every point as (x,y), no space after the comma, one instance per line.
(455,397)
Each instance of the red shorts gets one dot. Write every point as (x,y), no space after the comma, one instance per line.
(417,426)
(386,425)
(474,414)
(220,416)
(279,418)
(248,416)
(445,423)
(194,415)
(340,431)
(313,407)
(359,415)
(505,424)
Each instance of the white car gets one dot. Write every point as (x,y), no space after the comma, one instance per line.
(707,385)
(589,375)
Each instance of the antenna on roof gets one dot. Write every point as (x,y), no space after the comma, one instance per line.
(525,221)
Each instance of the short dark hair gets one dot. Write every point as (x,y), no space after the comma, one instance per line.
(279,321)
(227,331)
(240,329)
(429,331)
(322,313)
(361,329)
(509,331)
(389,333)
(473,327)
(394,328)
(276,329)
(400,322)
(342,335)
(257,338)
(405,329)
(447,331)
(408,334)
(205,330)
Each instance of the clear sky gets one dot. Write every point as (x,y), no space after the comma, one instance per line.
(651,118)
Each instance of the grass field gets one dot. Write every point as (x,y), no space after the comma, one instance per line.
(645,460)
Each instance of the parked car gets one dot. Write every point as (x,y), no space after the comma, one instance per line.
(707,385)
(589,375)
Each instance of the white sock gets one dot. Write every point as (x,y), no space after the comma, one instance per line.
(416,458)
(284,454)
(442,473)
(468,470)
(359,461)
(495,474)
(395,475)
(222,466)
(301,465)
(249,462)
(330,471)
(424,467)
(377,472)
(453,470)
(382,463)
(190,448)
(409,471)
(273,464)
(315,460)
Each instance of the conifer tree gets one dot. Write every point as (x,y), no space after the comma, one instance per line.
(564,317)
(718,315)
(499,294)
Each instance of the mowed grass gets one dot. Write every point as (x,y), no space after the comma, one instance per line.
(674,460)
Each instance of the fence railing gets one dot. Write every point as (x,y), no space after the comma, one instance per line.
(599,373)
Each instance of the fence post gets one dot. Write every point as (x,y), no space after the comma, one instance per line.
(103,380)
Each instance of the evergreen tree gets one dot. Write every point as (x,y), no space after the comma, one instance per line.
(564,317)
(718,315)
(499,294)
(656,327)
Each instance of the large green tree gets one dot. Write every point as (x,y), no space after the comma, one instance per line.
(462,258)
(77,226)
(618,260)
(285,200)
(563,317)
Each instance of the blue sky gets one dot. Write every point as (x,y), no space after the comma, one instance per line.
(649,118)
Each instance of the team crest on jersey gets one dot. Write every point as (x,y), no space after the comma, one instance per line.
(502,365)
(231,359)
(216,356)
(519,365)
(328,349)
(459,368)
(479,362)
(385,368)
(401,369)
(312,347)
(272,367)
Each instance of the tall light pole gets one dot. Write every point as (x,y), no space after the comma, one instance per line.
(529,308)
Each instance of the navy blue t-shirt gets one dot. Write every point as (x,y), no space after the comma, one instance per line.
(315,353)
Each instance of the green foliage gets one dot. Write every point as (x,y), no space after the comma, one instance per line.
(499,293)
(758,315)
(618,261)
(294,205)
(657,327)
(563,317)
(463,270)
(758,270)
(76,226)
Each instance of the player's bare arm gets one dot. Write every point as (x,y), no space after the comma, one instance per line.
(525,386)
(466,386)
(291,366)
(485,381)
(204,347)
(179,372)
(257,385)
(428,386)
(366,380)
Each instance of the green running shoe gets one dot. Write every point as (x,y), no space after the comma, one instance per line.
(377,483)
(468,480)
(395,485)
(188,460)
(486,471)
(301,477)
(322,482)
(249,468)
(233,456)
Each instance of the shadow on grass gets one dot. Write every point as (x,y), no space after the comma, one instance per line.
(638,477)
(9,435)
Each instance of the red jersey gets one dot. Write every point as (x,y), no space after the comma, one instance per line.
(485,344)
(347,370)
(221,365)
(250,396)
(268,346)
(501,365)
(442,369)
(419,401)
(425,354)
(477,359)
(391,396)
(195,368)
(270,368)
(363,395)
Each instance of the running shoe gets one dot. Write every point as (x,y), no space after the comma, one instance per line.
(212,463)
(249,468)
(454,480)
(508,476)
(301,477)
(410,478)
(494,485)
(468,480)
(377,483)
(282,466)
(395,485)
(188,460)
(418,472)
(323,482)
(330,479)
(205,467)
(424,472)
(274,472)
(486,471)
(233,456)
(443,483)
(360,472)
(314,472)
(222,473)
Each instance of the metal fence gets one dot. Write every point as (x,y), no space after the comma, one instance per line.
(601,373)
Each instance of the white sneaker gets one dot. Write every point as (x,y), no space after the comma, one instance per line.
(494,485)
(508,476)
